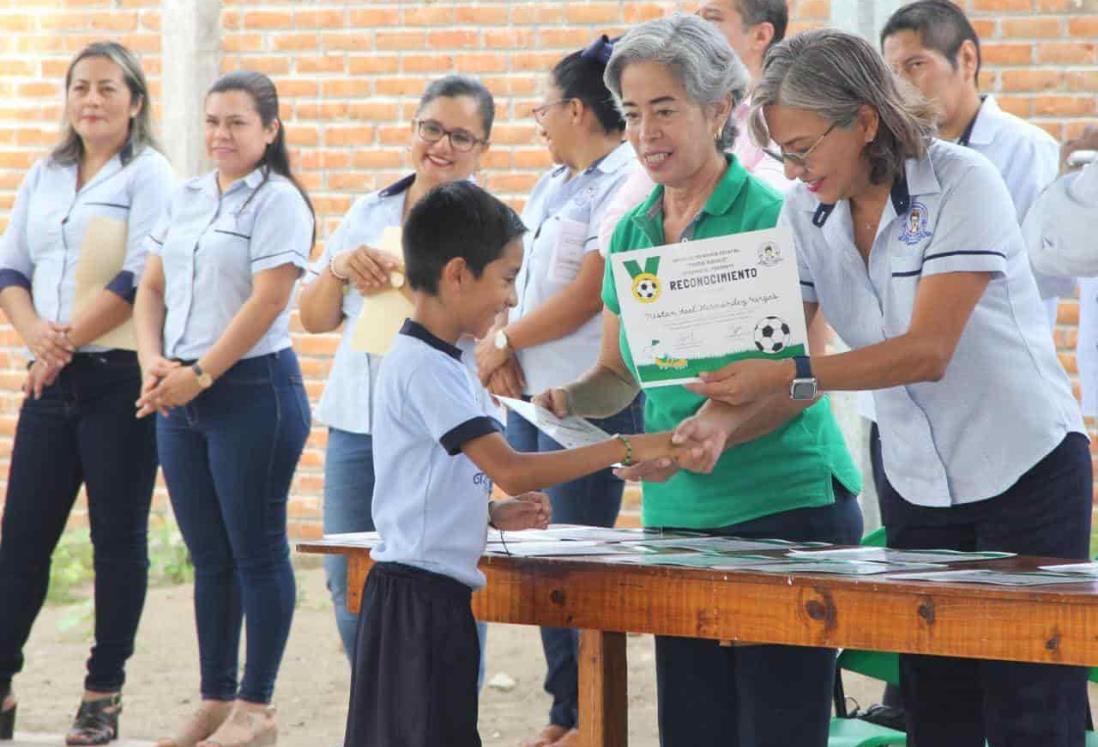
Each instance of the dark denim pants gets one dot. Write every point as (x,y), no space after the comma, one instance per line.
(81,431)
(228,458)
(961,702)
(755,696)
(591,501)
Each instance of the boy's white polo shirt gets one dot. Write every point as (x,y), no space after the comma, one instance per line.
(348,399)
(1004,401)
(430,501)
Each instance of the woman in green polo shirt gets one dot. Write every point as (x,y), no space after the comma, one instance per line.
(789,474)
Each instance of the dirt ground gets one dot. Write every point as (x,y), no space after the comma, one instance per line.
(313,686)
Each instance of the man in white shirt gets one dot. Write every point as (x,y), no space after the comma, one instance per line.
(932,45)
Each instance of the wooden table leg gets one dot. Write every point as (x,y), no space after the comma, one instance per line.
(603,719)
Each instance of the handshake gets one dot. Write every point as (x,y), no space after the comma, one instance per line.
(695,445)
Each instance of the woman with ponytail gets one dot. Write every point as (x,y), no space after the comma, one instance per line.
(212,318)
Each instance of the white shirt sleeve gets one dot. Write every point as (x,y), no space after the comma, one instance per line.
(16,266)
(808,284)
(638,185)
(975,225)
(283,230)
(150,191)
(442,398)
(1060,227)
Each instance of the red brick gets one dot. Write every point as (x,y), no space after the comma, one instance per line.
(999,6)
(1071,106)
(1000,53)
(1067,52)
(267,19)
(1029,28)
(1029,79)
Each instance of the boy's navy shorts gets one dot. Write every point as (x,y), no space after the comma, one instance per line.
(415,662)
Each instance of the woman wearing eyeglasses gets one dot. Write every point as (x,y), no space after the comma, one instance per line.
(552,336)
(911,247)
(787,473)
(448,137)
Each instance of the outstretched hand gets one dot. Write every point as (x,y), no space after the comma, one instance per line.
(526,511)
(744,382)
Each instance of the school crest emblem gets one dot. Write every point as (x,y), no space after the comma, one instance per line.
(916,225)
(770,254)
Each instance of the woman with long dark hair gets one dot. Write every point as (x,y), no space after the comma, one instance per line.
(213,332)
(68,262)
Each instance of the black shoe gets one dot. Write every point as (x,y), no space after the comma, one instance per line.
(7,715)
(96,722)
(884,715)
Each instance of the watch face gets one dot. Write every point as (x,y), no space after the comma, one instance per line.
(803,389)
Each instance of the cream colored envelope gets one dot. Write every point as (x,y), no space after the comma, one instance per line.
(383,313)
(101,258)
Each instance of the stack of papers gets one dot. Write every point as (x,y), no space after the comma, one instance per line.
(995,578)
(889,555)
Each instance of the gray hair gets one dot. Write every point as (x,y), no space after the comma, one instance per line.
(833,74)
(71,147)
(692,50)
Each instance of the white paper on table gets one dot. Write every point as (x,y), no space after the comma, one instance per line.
(891,555)
(696,306)
(570,432)
(1078,569)
(839,567)
(102,254)
(383,313)
(995,578)
(698,560)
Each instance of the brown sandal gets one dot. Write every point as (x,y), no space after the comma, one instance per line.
(204,722)
(245,727)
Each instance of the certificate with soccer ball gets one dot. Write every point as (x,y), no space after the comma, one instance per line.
(699,305)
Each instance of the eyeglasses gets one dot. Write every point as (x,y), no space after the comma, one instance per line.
(539,112)
(462,141)
(799,158)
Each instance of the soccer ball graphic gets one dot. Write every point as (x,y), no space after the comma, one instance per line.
(646,288)
(771,335)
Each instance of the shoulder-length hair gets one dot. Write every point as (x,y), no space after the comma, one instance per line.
(71,148)
(834,74)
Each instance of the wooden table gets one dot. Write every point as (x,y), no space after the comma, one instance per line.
(1051,624)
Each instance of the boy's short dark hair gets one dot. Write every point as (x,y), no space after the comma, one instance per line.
(941,26)
(458,219)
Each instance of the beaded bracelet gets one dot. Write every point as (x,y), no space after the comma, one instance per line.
(628,461)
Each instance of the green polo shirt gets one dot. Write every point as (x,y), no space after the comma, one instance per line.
(790,468)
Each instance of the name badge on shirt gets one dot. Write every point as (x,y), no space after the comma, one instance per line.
(568,251)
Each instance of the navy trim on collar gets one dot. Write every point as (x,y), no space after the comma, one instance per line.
(397,187)
(900,195)
(421,333)
(967,134)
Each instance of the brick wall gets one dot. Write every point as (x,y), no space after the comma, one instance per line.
(349,74)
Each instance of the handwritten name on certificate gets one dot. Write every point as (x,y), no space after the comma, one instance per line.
(699,305)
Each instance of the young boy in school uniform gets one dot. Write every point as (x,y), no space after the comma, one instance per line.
(437,455)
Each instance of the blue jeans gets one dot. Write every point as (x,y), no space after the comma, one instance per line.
(228,459)
(82,430)
(961,702)
(591,501)
(755,696)
(348,494)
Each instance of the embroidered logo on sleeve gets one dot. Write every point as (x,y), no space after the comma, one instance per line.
(915,227)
